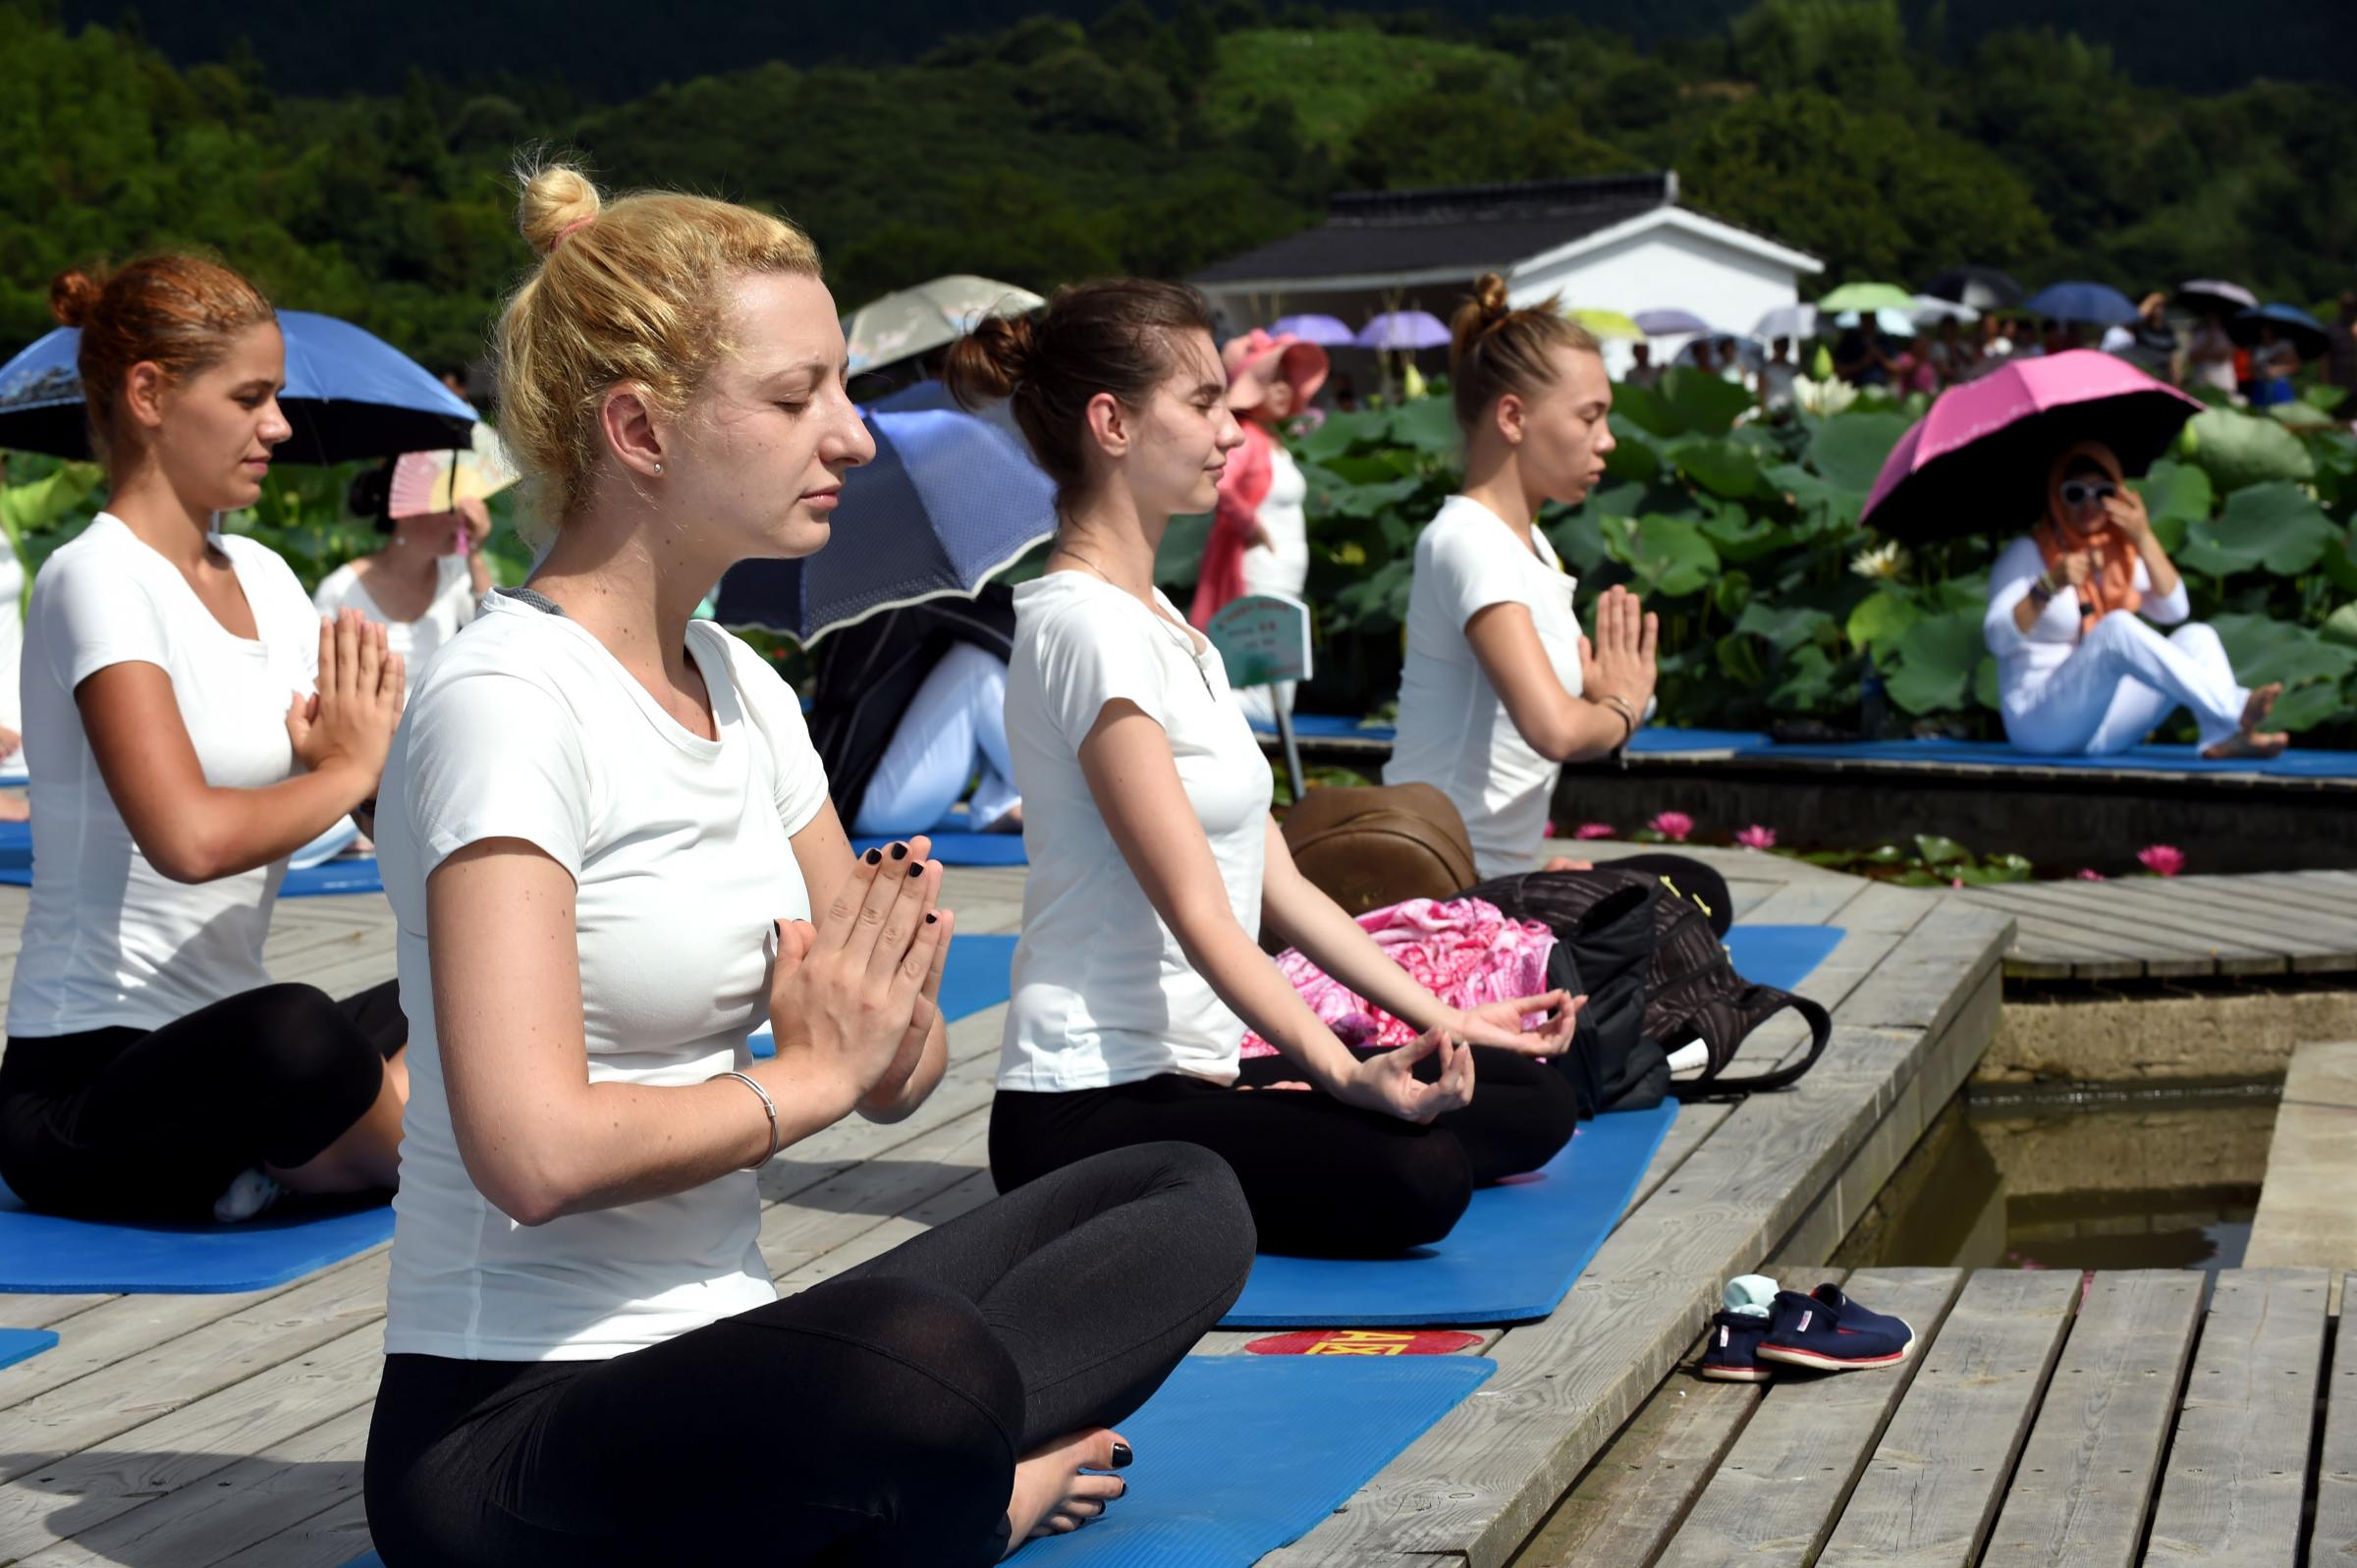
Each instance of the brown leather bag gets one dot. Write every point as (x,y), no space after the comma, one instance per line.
(1381,843)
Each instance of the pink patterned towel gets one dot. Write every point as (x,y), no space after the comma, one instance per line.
(1465,952)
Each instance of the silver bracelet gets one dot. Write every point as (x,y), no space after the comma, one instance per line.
(768,1105)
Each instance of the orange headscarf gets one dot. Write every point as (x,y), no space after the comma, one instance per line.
(2113,584)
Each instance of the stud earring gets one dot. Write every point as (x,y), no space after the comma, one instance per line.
(658,468)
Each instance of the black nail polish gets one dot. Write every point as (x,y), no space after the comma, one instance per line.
(931,918)
(916,867)
(1121,1456)
(900,851)
(875,857)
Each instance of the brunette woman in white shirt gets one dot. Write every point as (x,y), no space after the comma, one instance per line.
(1500,688)
(179,756)
(1156,868)
(605,835)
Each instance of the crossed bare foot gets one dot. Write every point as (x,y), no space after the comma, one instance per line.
(2250,740)
(1055,1488)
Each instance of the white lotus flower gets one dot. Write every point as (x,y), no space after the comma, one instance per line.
(1829,396)
(1884,561)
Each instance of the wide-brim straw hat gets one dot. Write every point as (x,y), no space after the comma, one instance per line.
(1255,359)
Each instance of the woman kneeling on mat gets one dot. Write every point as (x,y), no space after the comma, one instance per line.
(1499,688)
(2078,672)
(179,757)
(594,816)
(1155,867)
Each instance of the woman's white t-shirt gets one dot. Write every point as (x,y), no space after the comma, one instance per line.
(1283,565)
(1103,994)
(451,607)
(1454,733)
(527,727)
(12,637)
(110,940)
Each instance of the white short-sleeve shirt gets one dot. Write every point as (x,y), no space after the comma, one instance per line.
(451,607)
(1454,733)
(527,727)
(110,940)
(1103,994)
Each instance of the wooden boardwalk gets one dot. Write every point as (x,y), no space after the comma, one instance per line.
(2268,922)
(188,1430)
(2112,1419)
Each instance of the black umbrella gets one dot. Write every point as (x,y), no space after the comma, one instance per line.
(1982,287)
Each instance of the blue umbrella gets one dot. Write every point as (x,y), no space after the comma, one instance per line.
(1327,331)
(350,395)
(2304,331)
(1404,328)
(1668,323)
(2098,305)
(948,499)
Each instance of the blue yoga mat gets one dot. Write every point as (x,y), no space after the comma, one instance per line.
(2293,764)
(1239,1455)
(975,976)
(51,1255)
(1521,1244)
(1657,741)
(1518,1249)
(349,875)
(1779,955)
(19,1344)
(965,848)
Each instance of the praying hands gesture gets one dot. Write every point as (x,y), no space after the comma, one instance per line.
(1617,665)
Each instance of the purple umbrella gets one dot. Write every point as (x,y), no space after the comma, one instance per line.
(1402,329)
(1327,331)
(1670,323)
(1978,460)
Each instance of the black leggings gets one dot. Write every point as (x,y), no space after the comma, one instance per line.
(1323,1178)
(873,1419)
(139,1124)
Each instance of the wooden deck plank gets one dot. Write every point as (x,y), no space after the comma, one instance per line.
(2094,946)
(41,1311)
(2335,1535)
(2310,942)
(2117,909)
(1932,1489)
(194,1444)
(2304,1218)
(2084,1485)
(327,1539)
(286,1484)
(2237,1474)
(1778,1489)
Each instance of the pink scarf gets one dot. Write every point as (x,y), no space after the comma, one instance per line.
(1243,486)
(1465,952)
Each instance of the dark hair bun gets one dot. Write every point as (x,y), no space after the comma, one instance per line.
(992,361)
(72,296)
(371,494)
(1489,293)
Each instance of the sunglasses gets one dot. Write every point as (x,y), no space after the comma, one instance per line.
(2079,492)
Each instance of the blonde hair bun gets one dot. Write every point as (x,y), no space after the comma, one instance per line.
(1489,294)
(555,197)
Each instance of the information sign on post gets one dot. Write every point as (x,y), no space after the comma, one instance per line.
(1263,638)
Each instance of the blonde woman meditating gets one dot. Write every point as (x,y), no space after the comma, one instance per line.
(1500,688)
(607,840)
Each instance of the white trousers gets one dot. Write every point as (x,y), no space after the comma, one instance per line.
(2120,681)
(955,728)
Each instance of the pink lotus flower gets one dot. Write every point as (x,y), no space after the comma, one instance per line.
(2087,873)
(1674,826)
(1550,832)
(1595,829)
(1756,837)
(2161,860)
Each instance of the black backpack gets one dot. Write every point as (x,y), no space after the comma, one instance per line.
(1638,950)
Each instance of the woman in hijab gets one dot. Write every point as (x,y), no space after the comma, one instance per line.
(1260,533)
(2080,672)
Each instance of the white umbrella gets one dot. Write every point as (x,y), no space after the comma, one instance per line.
(1930,310)
(1797,322)
(910,321)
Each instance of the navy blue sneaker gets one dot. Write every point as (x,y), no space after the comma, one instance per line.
(1727,1356)
(1854,1316)
(1804,1332)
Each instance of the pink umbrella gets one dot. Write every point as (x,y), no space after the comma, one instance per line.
(1978,461)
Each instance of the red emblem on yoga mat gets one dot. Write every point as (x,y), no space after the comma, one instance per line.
(1364,1342)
